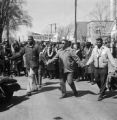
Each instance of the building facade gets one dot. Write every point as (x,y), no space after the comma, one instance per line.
(97,29)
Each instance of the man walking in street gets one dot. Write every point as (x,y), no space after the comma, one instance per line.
(100,56)
(66,56)
(31,52)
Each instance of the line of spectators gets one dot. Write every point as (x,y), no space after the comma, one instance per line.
(62,60)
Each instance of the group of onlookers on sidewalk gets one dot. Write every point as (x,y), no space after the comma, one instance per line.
(64,60)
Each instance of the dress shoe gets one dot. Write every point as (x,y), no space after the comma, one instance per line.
(100,98)
(39,87)
(63,96)
(92,83)
(35,90)
(76,94)
(28,94)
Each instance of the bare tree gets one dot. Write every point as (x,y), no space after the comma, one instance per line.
(100,15)
(12,15)
(65,31)
(100,11)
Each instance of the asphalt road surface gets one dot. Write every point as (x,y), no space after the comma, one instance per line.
(46,105)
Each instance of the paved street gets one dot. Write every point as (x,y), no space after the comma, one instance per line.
(46,105)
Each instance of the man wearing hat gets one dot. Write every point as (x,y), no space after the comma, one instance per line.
(31,51)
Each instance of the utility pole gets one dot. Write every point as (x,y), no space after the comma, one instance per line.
(75,36)
(50,32)
(51,25)
(55,27)
(51,28)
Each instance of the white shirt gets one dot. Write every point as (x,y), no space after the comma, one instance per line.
(101,56)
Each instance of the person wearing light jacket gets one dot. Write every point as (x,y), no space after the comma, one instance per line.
(100,57)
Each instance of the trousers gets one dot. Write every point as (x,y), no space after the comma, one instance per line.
(100,75)
(69,78)
(32,79)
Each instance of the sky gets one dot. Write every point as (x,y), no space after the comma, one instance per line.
(61,12)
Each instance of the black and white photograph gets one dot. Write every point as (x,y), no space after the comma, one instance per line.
(58,59)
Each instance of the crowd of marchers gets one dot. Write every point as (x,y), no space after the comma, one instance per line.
(64,60)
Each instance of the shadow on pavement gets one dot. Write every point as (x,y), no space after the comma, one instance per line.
(14,101)
(80,93)
(45,89)
(111,94)
(85,92)
(49,88)
(50,83)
